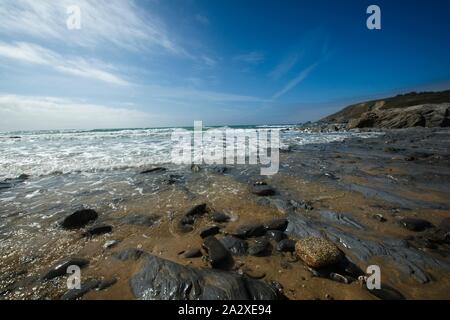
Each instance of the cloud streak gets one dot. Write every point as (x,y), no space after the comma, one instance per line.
(103,22)
(253,57)
(295,81)
(34,54)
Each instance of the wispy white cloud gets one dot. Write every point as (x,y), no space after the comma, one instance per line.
(295,81)
(284,67)
(36,113)
(193,95)
(34,54)
(103,22)
(253,57)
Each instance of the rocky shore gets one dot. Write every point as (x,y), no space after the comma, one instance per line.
(212,232)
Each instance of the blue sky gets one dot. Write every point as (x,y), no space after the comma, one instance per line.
(170,62)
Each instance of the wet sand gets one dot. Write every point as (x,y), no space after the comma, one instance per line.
(402,174)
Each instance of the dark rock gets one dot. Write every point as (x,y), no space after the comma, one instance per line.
(263,191)
(259,248)
(339,278)
(209,231)
(128,254)
(220,170)
(416,225)
(78,293)
(152,170)
(160,279)
(250,231)
(275,235)
(286,245)
(60,268)
(23,177)
(218,256)
(140,220)
(387,293)
(195,168)
(236,246)
(277,224)
(185,228)
(219,217)
(445,225)
(105,284)
(192,253)
(197,210)
(98,229)
(79,219)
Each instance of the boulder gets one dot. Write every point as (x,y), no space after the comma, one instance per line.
(236,246)
(79,219)
(219,217)
(209,231)
(317,252)
(277,224)
(218,256)
(250,230)
(286,245)
(259,248)
(275,235)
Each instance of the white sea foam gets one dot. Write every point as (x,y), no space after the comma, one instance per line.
(47,152)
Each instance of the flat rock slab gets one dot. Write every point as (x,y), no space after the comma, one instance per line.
(128,254)
(79,219)
(160,279)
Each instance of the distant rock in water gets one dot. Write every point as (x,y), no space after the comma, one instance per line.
(79,219)
(152,170)
(160,279)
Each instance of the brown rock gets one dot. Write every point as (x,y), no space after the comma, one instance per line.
(317,252)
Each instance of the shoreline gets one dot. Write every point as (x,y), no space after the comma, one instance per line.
(353,190)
